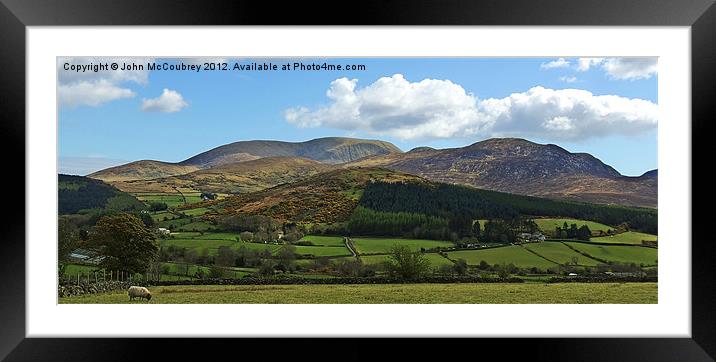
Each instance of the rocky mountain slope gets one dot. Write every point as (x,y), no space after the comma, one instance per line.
(523,167)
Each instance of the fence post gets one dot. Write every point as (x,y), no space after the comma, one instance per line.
(78,278)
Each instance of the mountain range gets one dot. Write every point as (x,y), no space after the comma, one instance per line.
(500,164)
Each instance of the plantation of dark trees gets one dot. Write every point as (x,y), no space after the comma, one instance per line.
(82,193)
(453,202)
(364,221)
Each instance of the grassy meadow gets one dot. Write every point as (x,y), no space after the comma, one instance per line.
(629,237)
(468,293)
(548,224)
(383,245)
(618,253)
(560,253)
(514,254)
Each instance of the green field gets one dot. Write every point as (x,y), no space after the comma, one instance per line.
(467,293)
(560,253)
(173,223)
(322,250)
(619,253)
(205,236)
(549,225)
(629,237)
(324,240)
(196,226)
(159,216)
(434,258)
(514,254)
(212,246)
(195,212)
(383,245)
(176,268)
(172,200)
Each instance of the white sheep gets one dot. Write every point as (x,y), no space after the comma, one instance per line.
(139,292)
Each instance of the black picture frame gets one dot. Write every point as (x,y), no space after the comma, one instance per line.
(16,15)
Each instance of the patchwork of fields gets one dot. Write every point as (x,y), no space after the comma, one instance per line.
(192,233)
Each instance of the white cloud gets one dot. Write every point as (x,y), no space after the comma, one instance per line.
(90,93)
(169,101)
(583,64)
(622,68)
(94,88)
(393,105)
(434,108)
(568,79)
(631,68)
(559,63)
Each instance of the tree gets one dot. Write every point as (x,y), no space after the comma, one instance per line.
(476,228)
(157,206)
(226,256)
(246,236)
(286,257)
(216,272)
(407,264)
(460,267)
(125,243)
(583,233)
(503,271)
(266,269)
(68,239)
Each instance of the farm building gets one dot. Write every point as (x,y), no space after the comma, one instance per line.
(85,256)
(525,237)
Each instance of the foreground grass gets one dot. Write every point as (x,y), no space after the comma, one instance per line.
(565,293)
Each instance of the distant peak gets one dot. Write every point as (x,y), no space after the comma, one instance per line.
(422,149)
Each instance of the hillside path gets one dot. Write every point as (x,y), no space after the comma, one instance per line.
(346,240)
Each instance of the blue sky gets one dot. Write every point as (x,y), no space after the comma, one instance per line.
(606,107)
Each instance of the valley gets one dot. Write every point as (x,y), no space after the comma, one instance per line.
(345,211)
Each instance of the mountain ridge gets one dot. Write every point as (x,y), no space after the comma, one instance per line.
(329,150)
(512,165)
(523,167)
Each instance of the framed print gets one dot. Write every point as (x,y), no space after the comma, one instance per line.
(468,170)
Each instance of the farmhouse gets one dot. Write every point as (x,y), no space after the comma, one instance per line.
(163,231)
